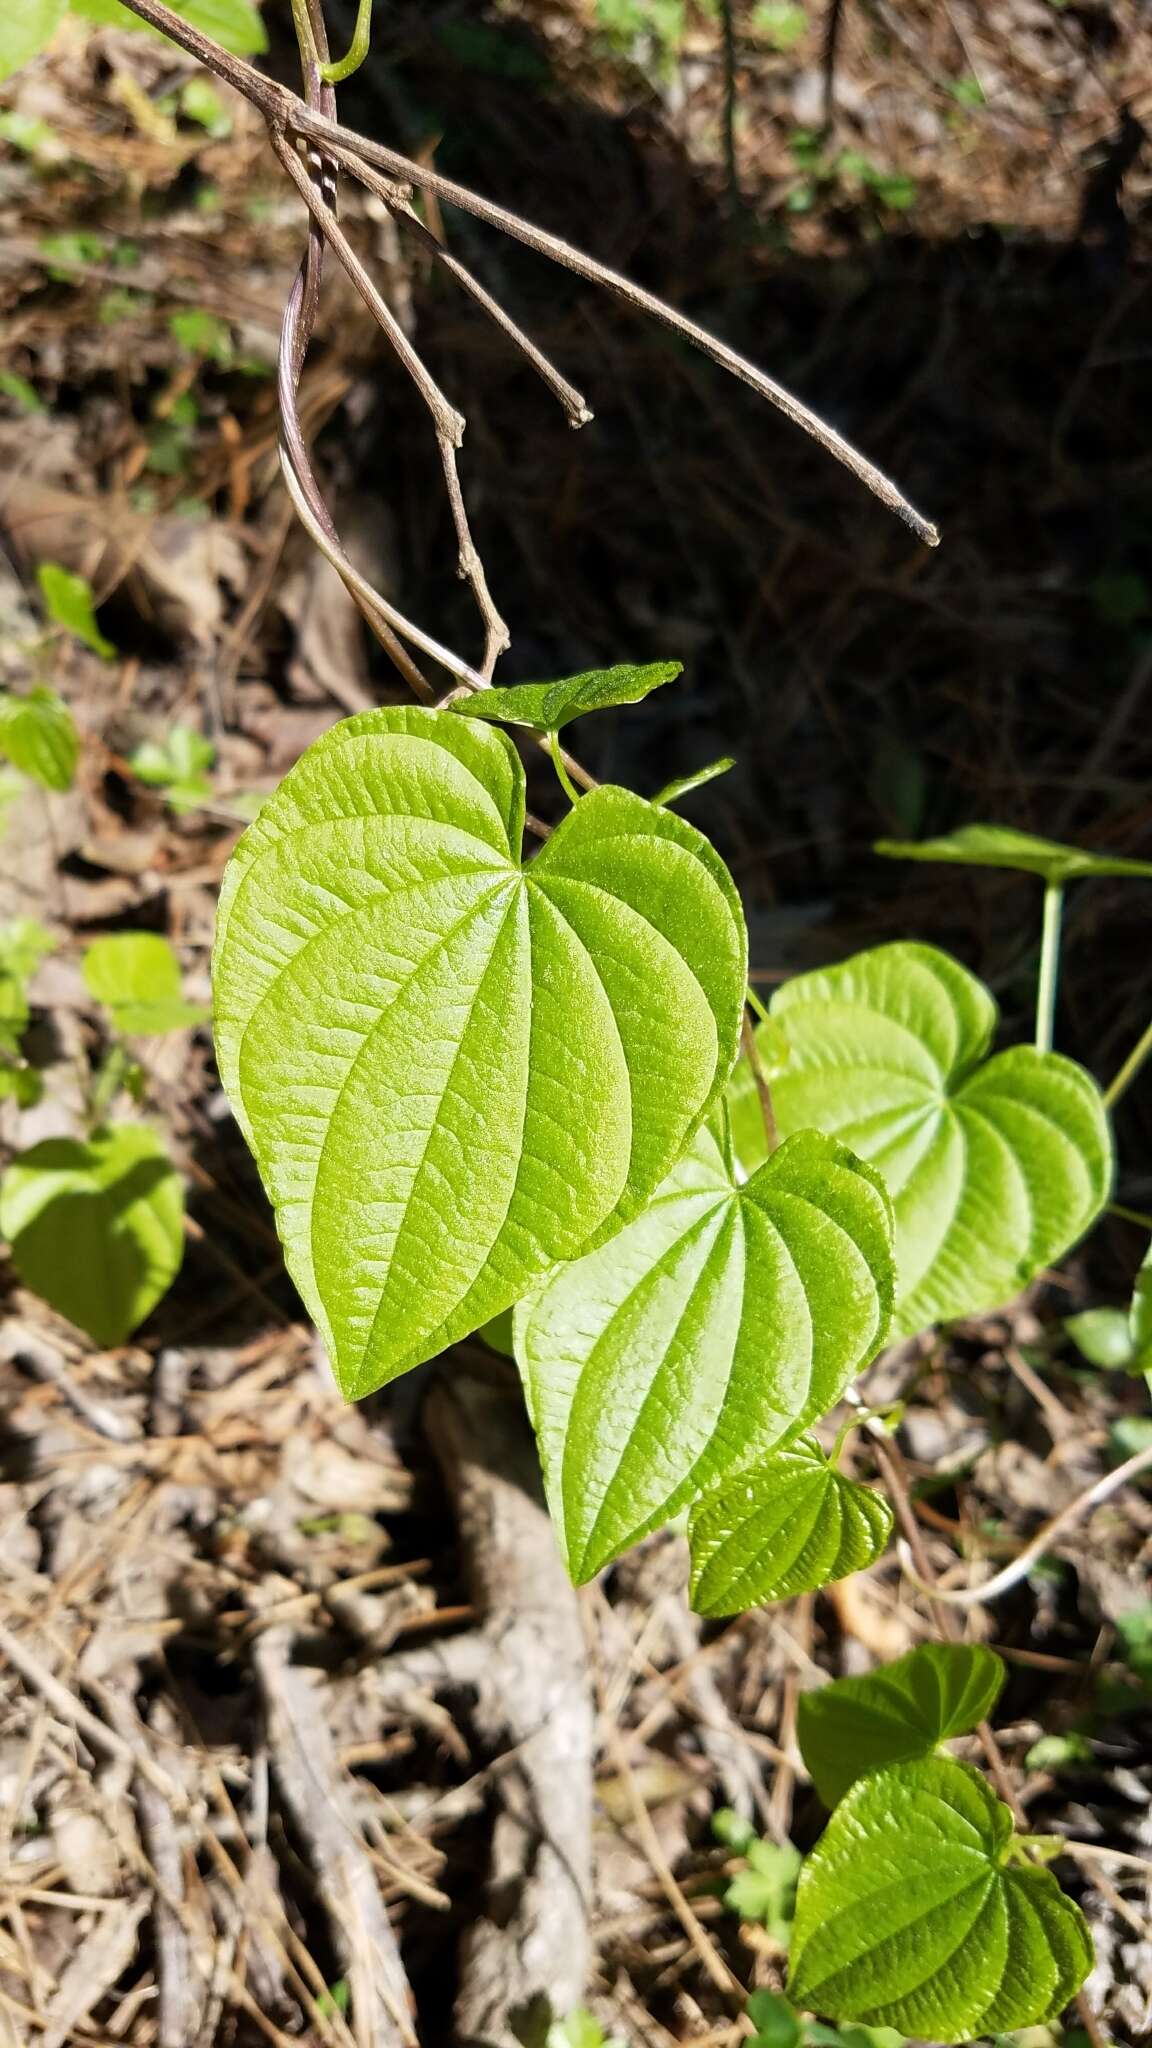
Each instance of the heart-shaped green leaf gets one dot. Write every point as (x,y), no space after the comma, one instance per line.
(782,1526)
(27,27)
(39,738)
(995,1166)
(901,1711)
(136,975)
(724,1316)
(546,707)
(96,1229)
(908,1914)
(455,1071)
(998,846)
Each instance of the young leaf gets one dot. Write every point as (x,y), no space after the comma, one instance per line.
(1104,1335)
(68,603)
(995,1166)
(782,1526)
(39,738)
(723,1317)
(683,785)
(998,846)
(26,28)
(96,1229)
(766,1891)
(455,1071)
(235,24)
(136,975)
(908,1914)
(546,707)
(775,2022)
(178,765)
(900,1711)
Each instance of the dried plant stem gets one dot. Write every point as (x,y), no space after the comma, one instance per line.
(284,111)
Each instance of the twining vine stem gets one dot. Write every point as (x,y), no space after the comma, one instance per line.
(1049,966)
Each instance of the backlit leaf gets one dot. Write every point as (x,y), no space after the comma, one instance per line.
(548,706)
(683,785)
(998,846)
(903,1710)
(784,1525)
(235,24)
(995,1166)
(96,1228)
(726,1315)
(26,28)
(68,602)
(455,1071)
(908,1914)
(136,975)
(39,738)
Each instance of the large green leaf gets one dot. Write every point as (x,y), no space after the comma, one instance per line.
(26,28)
(455,1071)
(39,738)
(901,1711)
(97,1229)
(908,1914)
(724,1316)
(998,846)
(546,707)
(136,975)
(235,24)
(995,1166)
(782,1526)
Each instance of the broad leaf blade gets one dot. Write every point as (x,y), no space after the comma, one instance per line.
(723,1317)
(136,975)
(995,1166)
(907,1915)
(901,1711)
(783,1526)
(117,1204)
(39,738)
(998,846)
(456,1072)
(235,24)
(27,27)
(546,707)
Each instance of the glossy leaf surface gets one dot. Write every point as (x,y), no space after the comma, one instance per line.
(454,1071)
(136,976)
(901,1711)
(96,1229)
(908,1915)
(546,707)
(787,1524)
(998,846)
(39,738)
(724,1316)
(995,1166)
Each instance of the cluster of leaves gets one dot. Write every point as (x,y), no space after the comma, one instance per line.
(113,1196)
(28,26)
(480,1090)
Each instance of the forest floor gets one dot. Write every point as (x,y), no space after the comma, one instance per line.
(271,1668)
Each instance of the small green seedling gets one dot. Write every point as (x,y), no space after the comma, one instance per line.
(765,1890)
(136,977)
(38,735)
(68,603)
(117,1203)
(179,766)
(24,943)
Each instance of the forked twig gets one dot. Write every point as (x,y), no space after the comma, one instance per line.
(292,121)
